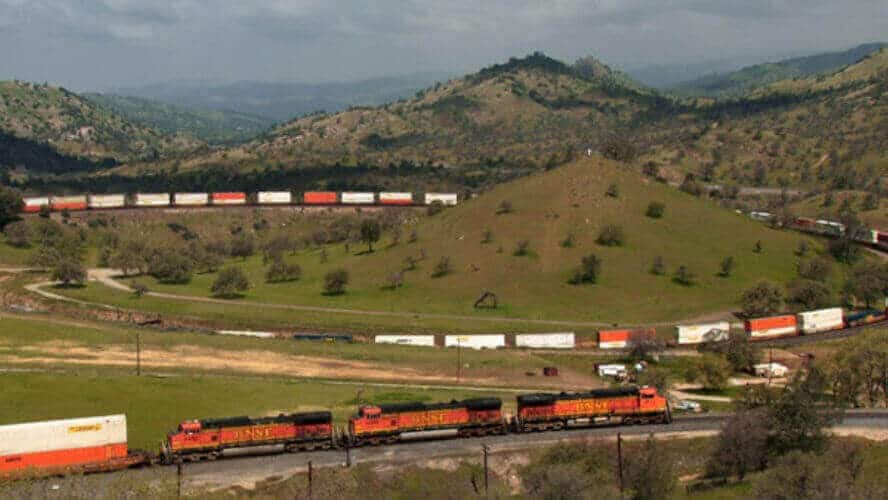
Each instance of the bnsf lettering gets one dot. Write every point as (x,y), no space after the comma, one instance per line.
(253,433)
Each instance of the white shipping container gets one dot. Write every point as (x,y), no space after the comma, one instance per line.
(107,200)
(821,320)
(191,199)
(698,334)
(69,199)
(37,201)
(151,199)
(247,333)
(274,197)
(396,197)
(414,340)
(445,198)
(358,198)
(54,435)
(546,340)
(612,370)
(475,341)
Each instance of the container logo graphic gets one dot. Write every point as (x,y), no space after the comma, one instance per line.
(84,428)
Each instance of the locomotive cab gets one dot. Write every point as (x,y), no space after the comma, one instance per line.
(190,427)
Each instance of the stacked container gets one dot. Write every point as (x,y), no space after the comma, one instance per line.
(100,201)
(444,198)
(620,339)
(35,203)
(229,198)
(319,198)
(395,198)
(274,198)
(774,326)
(77,202)
(822,320)
(191,199)
(698,334)
(358,198)
(151,200)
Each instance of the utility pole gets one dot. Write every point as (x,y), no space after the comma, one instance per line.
(309,480)
(138,354)
(179,480)
(620,460)
(770,364)
(458,359)
(485,449)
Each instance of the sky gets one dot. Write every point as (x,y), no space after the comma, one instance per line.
(100,44)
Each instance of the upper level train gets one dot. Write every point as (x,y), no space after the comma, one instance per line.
(228,198)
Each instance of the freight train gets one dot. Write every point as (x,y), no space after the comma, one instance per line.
(866,236)
(100,443)
(262,198)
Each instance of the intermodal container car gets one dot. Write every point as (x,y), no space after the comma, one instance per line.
(444,198)
(358,198)
(191,199)
(698,334)
(34,204)
(775,326)
(476,342)
(64,446)
(100,201)
(411,340)
(619,339)
(546,340)
(77,202)
(822,320)
(229,198)
(622,405)
(395,198)
(195,439)
(274,198)
(151,199)
(865,317)
(319,198)
(393,422)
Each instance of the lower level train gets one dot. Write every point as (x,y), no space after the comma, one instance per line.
(100,443)
(262,198)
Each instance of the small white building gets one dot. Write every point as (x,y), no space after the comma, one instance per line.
(770,370)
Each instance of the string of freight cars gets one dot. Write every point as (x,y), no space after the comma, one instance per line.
(829,228)
(263,198)
(100,443)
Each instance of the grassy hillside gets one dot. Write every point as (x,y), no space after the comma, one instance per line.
(532,111)
(75,127)
(739,82)
(212,126)
(547,207)
(824,132)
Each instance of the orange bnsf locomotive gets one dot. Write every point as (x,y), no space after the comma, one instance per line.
(390,423)
(633,405)
(207,439)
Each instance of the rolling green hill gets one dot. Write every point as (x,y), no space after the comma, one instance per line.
(75,127)
(547,208)
(212,126)
(739,82)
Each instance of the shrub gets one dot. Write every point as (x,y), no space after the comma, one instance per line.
(611,235)
(280,271)
(809,294)
(658,267)
(684,276)
(590,267)
(435,208)
(18,234)
(568,241)
(505,207)
(486,236)
(655,210)
(714,371)
(815,269)
(726,267)
(762,299)
(243,245)
(522,248)
(370,232)
(394,280)
(139,289)
(442,268)
(613,190)
(69,271)
(335,282)
(231,282)
(757,248)
(171,267)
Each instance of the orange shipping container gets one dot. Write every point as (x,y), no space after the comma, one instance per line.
(774,326)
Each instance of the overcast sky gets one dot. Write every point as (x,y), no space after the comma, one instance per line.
(96,44)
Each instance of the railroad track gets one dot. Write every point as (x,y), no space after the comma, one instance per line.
(821,337)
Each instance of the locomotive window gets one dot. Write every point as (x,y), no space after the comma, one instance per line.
(647,396)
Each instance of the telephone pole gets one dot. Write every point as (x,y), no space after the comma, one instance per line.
(620,459)
(138,354)
(485,449)
(309,480)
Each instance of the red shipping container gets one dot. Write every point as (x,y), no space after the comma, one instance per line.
(319,198)
(229,198)
(617,339)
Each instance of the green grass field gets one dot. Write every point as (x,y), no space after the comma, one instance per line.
(547,208)
(155,405)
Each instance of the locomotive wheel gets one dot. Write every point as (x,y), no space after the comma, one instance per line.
(558,426)
(391,440)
